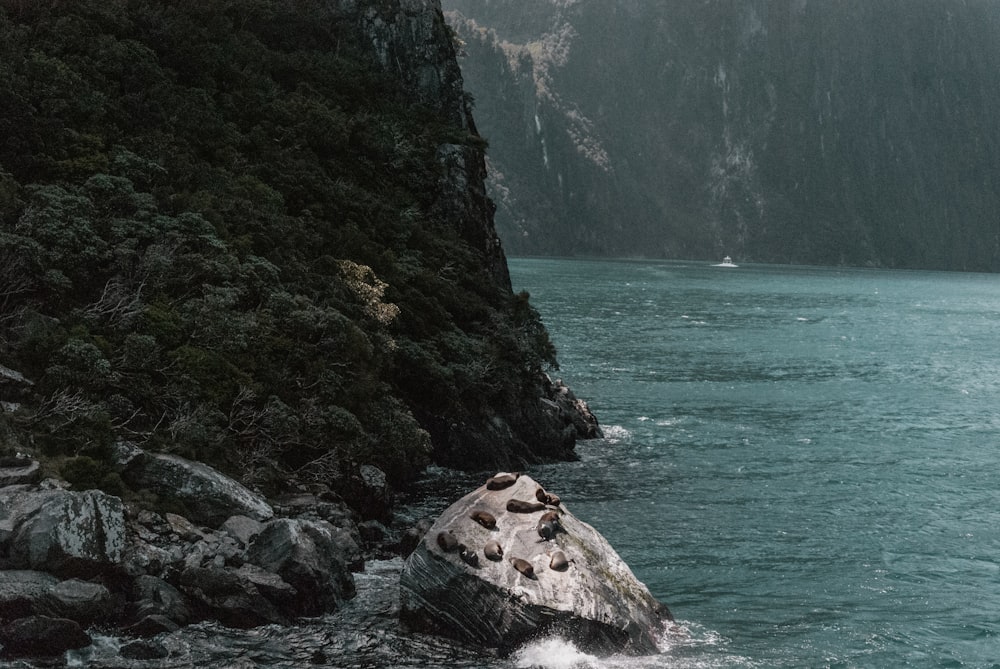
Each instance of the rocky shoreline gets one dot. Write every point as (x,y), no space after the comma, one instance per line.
(73,561)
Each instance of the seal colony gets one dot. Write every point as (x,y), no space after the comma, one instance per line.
(509,560)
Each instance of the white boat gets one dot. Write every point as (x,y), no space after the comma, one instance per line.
(727,262)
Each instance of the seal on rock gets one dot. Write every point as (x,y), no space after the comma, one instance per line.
(447,541)
(520,506)
(523,566)
(484,518)
(468,556)
(493,550)
(550,517)
(547,498)
(558,561)
(546,530)
(502,480)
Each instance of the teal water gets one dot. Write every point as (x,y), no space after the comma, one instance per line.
(802,462)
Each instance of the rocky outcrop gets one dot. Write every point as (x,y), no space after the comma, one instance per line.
(570,580)
(61,532)
(208,496)
(71,559)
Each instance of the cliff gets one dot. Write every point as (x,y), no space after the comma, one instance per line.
(256,235)
(772,130)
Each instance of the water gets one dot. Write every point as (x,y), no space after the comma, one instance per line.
(801,462)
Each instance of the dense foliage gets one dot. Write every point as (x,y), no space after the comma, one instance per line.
(217,238)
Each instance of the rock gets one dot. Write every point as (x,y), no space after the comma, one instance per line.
(183,527)
(231,597)
(370,494)
(81,601)
(209,496)
(242,529)
(20,590)
(155,597)
(572,409)
(18,471)
(309,555)
(42,636)
(597,602)
(61,532)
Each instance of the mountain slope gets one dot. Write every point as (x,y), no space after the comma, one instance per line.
(774,130)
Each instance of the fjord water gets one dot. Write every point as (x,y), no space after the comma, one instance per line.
(802,462)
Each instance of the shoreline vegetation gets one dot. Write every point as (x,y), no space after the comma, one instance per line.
(244,248)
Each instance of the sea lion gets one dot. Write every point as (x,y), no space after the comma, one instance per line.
(447,541)
(468,556)
(493,550)
(523,566)
(484,518)
(550,517)
(558,561)
(520,506)
(502,480)
(546,530)
(547,498)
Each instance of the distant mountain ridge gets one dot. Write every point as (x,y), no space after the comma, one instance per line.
(853,133)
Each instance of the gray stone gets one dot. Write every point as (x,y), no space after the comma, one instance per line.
(242,528)
(155,597)
(61,532)
(82,601)
(209,496)
(231,597)
(18,471)
(42,636)
(311,557)
(597,601)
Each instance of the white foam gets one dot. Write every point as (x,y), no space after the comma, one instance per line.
(616,433)
(553,653)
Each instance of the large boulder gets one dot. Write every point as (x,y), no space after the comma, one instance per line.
(208,496)
(312,556)
(82,601)
(61,532)
(594,599)
(235,597)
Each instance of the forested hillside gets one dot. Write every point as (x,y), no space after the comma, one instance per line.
(857,132)
(228,230)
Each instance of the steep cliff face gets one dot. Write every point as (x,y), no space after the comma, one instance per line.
(256,234)
(772,130)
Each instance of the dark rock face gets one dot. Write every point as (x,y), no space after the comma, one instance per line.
(17,471)
(773,130)
(61,532)
(20,590)
(308,556)
(85,602)
(467,593)
(41,636)
(209,496)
